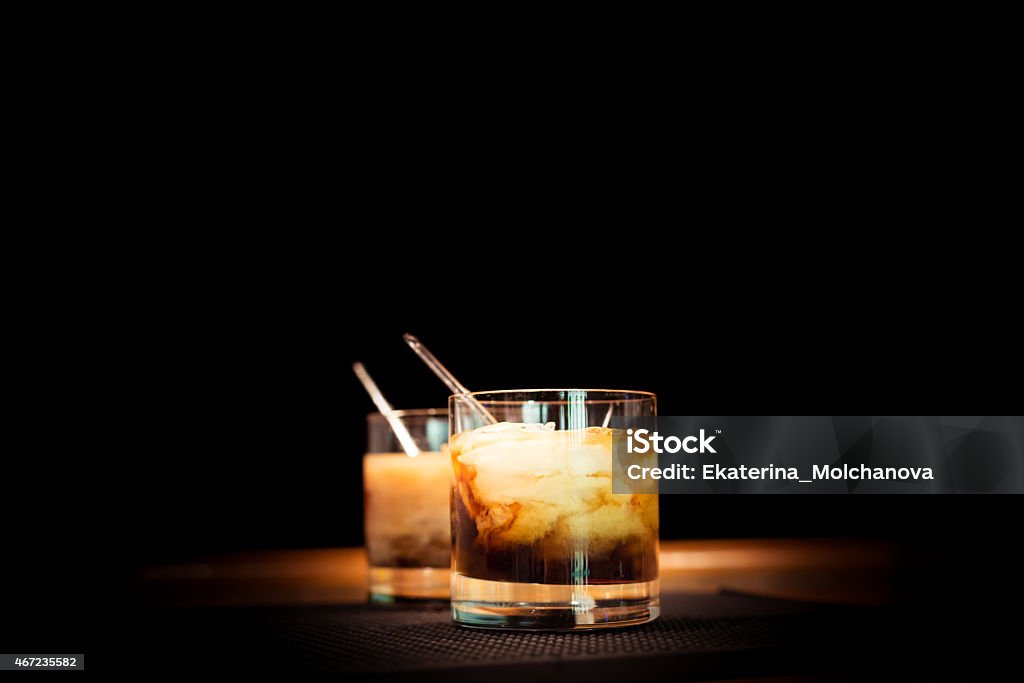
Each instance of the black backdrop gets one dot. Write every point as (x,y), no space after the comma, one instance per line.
(190,389)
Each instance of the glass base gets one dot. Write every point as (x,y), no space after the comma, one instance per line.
(542,607)
(389,585)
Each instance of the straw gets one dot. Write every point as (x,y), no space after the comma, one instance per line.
(608,415)
(446,376)
(397,426)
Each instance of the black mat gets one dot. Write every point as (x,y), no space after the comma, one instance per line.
(698,636)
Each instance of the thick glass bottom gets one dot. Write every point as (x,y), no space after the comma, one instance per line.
(393,584)
(543,607)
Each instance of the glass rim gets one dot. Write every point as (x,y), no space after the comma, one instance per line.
(636,393)
(410,412)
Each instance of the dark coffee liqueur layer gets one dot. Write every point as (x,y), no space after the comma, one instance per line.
(552,559)
(410,551)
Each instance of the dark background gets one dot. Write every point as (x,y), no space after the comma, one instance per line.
(235,237)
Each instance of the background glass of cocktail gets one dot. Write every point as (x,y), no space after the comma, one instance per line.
(540,541)
(408,528)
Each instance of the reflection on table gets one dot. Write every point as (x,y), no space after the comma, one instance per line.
(820,570)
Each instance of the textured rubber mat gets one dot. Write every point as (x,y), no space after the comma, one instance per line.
(394,642)
(698,636)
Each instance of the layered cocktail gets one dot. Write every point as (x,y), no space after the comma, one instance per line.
(540,540)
